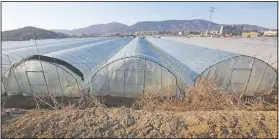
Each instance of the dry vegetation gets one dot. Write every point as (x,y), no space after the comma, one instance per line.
(206,96)
(205,112)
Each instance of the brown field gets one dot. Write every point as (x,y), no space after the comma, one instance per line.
(125,122)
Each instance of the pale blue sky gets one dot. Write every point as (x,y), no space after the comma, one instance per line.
(70,15)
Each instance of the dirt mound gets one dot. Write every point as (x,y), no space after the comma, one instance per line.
(125,122)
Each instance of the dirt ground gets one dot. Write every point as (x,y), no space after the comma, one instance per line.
(130,123)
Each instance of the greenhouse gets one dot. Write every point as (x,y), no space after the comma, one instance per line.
(127,67)
(10,55)
(263,48)
(232,72)
(64,72)
(9,45)
(135,70)
(14,51)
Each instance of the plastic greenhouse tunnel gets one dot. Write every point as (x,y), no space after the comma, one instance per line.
(127,67)
(61,73)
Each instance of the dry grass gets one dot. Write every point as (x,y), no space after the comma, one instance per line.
(205,95)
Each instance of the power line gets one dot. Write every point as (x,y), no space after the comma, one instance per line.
(211,11)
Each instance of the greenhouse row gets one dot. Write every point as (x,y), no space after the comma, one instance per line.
(263,48)
(128,67)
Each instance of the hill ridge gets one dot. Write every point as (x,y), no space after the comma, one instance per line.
(29,32)
(190,25)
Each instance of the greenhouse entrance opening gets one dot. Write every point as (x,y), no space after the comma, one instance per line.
(132,76)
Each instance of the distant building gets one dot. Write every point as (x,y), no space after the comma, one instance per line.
(221,30)
(233,30)
(146,33)
(185,32)
(179,33)
(252,34)
(110,34)
(260,34)
(270,33)
(194,34)
(84,35)
(141,33)
(237,30)
(226,30)
(213,32)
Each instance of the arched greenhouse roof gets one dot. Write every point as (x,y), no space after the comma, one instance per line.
(16,54)
(52,60)
(83,60)
(140,47)
(137,47)
(12,45)
(190,59)
(12,55)
(263,48)
(199,59)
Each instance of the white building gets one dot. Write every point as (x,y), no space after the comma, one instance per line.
(144,33)
(213,32)
(270,33)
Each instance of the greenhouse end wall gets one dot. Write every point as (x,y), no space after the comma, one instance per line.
(28,79)
(242,74)
(134,70)
(133,76)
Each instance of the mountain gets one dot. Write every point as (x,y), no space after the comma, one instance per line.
(26,33)
(64,31)
(254,27)
(96,29)
(189,25)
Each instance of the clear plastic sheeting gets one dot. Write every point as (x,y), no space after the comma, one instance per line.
(3,89)
(233,72)
(134,70)
(263,48)
(127,68)
(28,78)
(12,55)
(51,72)
(9,45)
(190,60)
(243,74)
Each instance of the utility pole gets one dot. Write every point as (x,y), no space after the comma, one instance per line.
(211,11)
